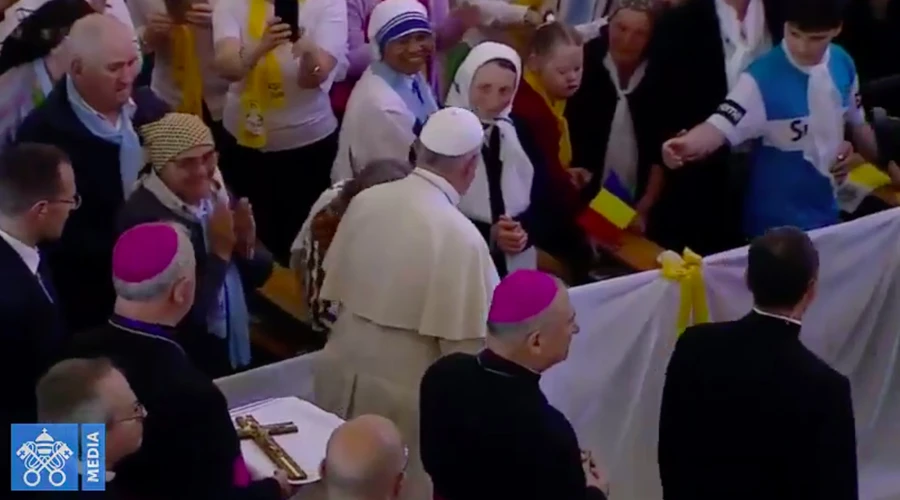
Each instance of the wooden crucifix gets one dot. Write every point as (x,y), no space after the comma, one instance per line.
(249,428)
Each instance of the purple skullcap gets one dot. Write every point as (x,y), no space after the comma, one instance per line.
(522,295)
(144,252)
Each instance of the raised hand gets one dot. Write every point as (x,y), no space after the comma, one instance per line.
(222,239)
(200,14)
(244,228)
(276,33)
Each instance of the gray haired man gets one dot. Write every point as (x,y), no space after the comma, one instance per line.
(191,448)
(88,391)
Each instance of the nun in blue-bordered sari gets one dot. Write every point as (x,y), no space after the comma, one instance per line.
(32,60)
(392,99)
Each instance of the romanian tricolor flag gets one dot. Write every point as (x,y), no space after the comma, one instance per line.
(609,213)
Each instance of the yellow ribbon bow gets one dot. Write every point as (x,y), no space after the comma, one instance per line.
(263,87)
(186,70)
(687,270)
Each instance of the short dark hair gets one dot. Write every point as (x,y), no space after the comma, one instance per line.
(67,393)
(29,173)
(781,265)
(812,16)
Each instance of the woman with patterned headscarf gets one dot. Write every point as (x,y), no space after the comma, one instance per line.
(183,185)
(613,121)
(32,59)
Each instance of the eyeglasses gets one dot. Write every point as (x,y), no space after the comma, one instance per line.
(138,412)
(75,201)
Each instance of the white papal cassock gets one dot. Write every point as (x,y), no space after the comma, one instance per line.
(415,279)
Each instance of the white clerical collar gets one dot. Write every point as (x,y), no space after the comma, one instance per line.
(29,254)
(440,183)
(805,68)
(777,316)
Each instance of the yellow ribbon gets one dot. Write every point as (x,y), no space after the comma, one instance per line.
(263,87)
(558,108)
(687,270)
(186,70)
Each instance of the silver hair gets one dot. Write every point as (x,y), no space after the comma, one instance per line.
(521,328)
(67,393)
(442,163)
(183,263)
(88,35)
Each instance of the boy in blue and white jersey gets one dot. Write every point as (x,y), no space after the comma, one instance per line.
(793,103)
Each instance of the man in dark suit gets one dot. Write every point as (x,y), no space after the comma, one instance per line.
(86,391)
(92,114)
(37,192)
(191,448)
(748,411)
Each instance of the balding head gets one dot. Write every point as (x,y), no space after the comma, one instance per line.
(365,460)
(104,61)
(782,267)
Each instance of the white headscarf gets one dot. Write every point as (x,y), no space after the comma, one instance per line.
(518,172)
(392,19)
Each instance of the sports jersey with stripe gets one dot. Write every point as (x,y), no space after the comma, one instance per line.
(790,182)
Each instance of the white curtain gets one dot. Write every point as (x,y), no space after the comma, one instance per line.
(611,385)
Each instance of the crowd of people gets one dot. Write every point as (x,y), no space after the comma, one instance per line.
(418,163)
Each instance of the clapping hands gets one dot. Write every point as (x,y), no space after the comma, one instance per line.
(232,230)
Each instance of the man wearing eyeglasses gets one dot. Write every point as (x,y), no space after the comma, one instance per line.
(37,193)
(90,391)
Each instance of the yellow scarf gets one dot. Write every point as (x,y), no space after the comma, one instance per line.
(186,69)
(558,108)
(263,87)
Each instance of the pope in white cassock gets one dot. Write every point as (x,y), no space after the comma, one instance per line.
(414,278)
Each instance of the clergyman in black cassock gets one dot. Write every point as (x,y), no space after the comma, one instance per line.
(190,448)
(748,411)
(487,430)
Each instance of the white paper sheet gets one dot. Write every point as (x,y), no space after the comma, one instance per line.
(306,447)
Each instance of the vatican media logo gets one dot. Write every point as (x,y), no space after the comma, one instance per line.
(45,457)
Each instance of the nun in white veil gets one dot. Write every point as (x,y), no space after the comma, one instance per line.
(505,200)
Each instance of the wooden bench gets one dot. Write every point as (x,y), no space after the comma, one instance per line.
(637,252)
(283,290)
(282,328)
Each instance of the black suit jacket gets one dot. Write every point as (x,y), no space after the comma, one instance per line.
(31,332)
(190,443)
(82,256)
(749,412)
(32,338)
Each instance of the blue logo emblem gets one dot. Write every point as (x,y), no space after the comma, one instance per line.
(45,457)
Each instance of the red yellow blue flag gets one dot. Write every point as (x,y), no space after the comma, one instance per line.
(610,212)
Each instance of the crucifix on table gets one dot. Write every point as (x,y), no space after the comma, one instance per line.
(261,435)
